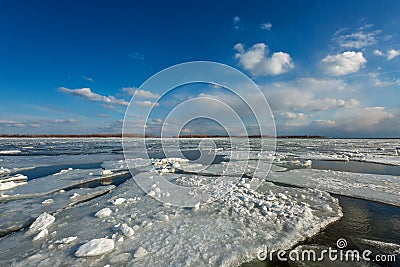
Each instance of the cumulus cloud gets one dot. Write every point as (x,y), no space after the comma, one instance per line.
(266,26)
(295,99)
(257,61)
(390,54)
(353,122)
(139,92)
(363,119)
(308,94)
(87,94)
(344,63)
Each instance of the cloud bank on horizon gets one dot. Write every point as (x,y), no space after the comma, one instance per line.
(324,69)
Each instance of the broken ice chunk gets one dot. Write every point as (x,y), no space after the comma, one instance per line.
(66,240)
(41,234)
(103,213)
(48,201)
(126,230)
(42,222)
(95,247)
(118,201)
(140,252)
(106,172)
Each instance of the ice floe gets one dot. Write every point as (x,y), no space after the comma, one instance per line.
(48,185)
(9,152)
(10,182)
(18,214)
(4,171)
(381,188)
(389,248)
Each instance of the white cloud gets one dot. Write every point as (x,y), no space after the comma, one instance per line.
(87,78)
(345,63)
(147,103)
(139,92)
(358,39)
(378,82)
(266,26)
(309,94)
(64,121)
(87,94)
(378,53)
(236,22)
(136,55)
(9,123)
(256,60)
(325,122)
(363,119)
(292,115)
(296,124)
(391,54)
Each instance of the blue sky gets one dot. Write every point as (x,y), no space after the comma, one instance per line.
(326,67)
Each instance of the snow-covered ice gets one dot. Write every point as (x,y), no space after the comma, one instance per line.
(125,226)
(381,188)
(220,233)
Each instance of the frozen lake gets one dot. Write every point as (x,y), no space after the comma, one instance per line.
(74,200)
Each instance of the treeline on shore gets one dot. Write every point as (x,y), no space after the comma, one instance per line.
(147,136)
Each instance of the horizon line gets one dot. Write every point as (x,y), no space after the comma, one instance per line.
(180,136)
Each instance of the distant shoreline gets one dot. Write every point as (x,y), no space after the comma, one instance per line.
(184,136)
(138,136)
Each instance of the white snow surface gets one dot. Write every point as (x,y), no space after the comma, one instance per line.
(226,232)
